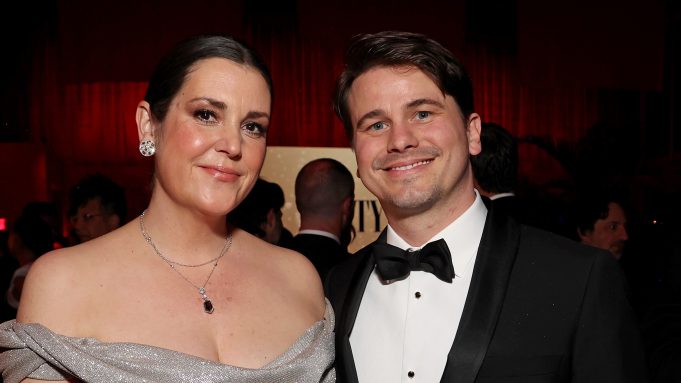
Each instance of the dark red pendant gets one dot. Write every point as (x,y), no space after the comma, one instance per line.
(208,306)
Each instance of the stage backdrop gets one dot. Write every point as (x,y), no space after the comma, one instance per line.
(282,165)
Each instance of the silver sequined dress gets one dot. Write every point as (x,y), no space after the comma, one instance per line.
(31,350)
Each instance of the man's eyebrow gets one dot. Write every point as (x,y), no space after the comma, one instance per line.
(424,101)
(372,114)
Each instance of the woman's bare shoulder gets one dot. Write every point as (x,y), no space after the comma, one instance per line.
(59,282)
(290,272)
(47,287)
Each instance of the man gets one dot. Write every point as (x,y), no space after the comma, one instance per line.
(325,193)
(495,168)
(601,222)
(97,206)
(519,304)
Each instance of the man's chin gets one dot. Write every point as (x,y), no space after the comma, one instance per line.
(414,200)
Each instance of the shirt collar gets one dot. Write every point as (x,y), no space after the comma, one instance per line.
(502,195)
(462,236)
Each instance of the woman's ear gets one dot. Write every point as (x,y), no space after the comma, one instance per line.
(145,128)
(271,220)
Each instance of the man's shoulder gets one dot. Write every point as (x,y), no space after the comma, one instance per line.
(540,238)
(341,276)
(536,243)
(353,262)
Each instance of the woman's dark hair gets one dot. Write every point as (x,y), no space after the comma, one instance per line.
(394,49)
(171,71)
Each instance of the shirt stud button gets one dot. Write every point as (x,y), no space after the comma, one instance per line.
(410,374)
(417,294)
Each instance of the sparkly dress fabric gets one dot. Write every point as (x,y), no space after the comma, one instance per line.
(29,350)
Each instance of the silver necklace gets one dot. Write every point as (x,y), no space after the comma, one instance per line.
(207,304)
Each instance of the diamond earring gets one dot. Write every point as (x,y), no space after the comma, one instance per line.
(147,148)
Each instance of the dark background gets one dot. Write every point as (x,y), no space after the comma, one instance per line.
(590,87)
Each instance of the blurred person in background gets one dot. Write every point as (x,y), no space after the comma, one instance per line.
(96,206)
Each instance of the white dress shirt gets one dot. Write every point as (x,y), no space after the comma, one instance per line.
(404,330)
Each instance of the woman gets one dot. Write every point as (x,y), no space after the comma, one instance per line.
(177,295)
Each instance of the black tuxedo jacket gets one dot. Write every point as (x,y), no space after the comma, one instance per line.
(508,205)
(540,308)
(323,252)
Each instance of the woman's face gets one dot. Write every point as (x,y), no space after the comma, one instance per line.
(211,144)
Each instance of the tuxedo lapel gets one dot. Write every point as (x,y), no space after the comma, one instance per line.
(494,261)
(345,363)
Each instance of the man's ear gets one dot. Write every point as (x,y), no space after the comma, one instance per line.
(271,219)
(145,128)
(584,236)
(347,208)
(473,134)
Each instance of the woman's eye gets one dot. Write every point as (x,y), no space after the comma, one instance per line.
(205,115)
(422,115)
(254,129)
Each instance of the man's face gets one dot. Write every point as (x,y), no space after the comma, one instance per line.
(411,142)
(91,221)
(609,233)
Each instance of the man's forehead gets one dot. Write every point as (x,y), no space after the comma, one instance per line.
(406,84)
(388,72)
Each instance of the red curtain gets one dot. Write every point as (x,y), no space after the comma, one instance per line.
(95,122)
(90,126)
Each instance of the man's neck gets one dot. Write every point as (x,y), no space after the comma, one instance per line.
(329,225)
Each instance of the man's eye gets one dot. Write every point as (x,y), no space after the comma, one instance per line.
(422,115)
(377,126)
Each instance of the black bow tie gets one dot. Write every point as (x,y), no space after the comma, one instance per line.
(394,263)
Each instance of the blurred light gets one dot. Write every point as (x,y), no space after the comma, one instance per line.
(3,224)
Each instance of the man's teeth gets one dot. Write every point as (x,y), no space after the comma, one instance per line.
(410,166)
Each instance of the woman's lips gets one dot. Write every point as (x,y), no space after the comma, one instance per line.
(221,174)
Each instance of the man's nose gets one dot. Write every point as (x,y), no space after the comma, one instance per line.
(623,235)
(401,137)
